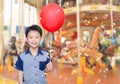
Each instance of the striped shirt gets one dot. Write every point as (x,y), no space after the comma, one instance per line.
(33,67)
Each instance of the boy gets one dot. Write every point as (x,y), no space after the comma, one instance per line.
(33,62)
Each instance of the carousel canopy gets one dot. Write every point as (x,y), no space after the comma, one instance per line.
(90,15)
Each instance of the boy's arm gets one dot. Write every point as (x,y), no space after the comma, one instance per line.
(20,77)
(19,67)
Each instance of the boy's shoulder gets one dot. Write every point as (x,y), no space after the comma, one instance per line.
(22,53)
(44,51)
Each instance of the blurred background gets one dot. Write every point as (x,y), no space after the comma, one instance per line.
(87,45)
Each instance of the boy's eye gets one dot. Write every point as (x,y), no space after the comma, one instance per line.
(37,37)
(30,37)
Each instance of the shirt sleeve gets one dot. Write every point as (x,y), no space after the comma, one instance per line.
(48,59)
(19,64)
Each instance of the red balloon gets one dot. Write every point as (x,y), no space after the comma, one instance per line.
(52,17)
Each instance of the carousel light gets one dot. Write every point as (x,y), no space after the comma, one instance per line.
(106,16)
(96,17)
(88,22)
(69,23)
(82,14)
(85,21)
(114,24)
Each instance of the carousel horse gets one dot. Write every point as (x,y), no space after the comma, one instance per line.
(67,49)
(91,52)
(111,52)
(13,47)
(112,47)
(92,48)
(10,51)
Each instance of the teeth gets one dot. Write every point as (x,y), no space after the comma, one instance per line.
(33,43)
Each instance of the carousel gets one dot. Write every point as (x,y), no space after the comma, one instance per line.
(83,34)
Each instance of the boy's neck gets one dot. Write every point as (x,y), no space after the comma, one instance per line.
(34,51)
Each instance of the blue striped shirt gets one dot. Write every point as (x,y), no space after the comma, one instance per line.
(33,66)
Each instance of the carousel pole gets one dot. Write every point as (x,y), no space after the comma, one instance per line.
(11,19)
(29,14)
(38,18)
(111,17)
(1,38)
(79,78)
(22,22)
(37,11)
(47,2)
(19,27)
(61,60)
(33,15)
(9,62)
(60,2)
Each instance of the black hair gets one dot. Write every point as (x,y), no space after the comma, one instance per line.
(34,28)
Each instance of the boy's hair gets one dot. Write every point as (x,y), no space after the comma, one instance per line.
(34,28)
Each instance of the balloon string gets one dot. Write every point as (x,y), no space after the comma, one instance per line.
(51,42)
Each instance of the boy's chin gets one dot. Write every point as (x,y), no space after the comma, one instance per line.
(34,46)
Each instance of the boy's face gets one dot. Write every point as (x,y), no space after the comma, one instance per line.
(33,39)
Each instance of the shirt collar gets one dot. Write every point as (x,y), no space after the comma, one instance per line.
(39,51)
